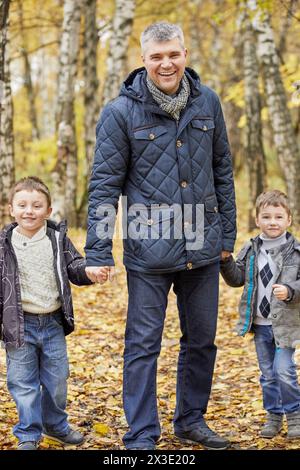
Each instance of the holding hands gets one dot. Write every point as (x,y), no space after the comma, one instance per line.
(100,274)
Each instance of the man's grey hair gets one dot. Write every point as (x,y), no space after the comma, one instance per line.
(161,31)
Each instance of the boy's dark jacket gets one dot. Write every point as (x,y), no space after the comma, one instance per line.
(68,265)
(285,315)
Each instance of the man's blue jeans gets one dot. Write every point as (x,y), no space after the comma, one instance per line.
(197,299)
(281,391)
(37,378)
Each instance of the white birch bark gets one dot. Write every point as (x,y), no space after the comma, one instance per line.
(91,97)
(27,72)
(6,119)
(118,48)
(279,115)
(254,151)
(64,175)
(91,83)
(195,58)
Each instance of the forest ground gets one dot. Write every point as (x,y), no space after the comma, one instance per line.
(95,384)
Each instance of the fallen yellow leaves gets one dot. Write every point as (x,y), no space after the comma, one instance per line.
(101,429)
(96,360)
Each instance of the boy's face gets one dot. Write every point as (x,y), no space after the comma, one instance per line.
(30,209)
(273,221)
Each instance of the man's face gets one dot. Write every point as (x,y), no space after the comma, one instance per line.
(165,63)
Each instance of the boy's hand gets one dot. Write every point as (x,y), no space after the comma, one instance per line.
(225,254)
(100,274)
(281,292)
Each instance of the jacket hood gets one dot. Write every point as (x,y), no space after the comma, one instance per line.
(135,84)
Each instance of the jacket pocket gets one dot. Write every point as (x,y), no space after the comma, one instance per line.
(204,125)
(149,133)
(211,208)
(150,232)
(148,145)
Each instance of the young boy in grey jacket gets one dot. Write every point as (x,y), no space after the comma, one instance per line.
(269,268)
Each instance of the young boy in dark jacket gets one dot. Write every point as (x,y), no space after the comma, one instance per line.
(269,268)
(37,260)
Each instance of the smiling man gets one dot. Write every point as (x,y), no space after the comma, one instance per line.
(165,63)
(162,143)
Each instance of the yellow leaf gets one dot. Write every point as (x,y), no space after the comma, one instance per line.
(101,429)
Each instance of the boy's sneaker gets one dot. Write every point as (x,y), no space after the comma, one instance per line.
(205,436)
(293,422)
(28,445)
(272,425)
(73,438)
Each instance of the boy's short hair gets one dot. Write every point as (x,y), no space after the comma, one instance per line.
(272,198)
(30,183)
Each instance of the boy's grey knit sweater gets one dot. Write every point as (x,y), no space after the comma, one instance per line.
(266,270)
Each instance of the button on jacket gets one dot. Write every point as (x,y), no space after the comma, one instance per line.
(146,155)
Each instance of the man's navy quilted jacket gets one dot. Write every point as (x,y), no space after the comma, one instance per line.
(143,153)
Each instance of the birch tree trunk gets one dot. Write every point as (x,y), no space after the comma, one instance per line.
(91,99)
(64,174)
(232,111)
(215,55)
(7,173)
(118,48)
(28,80)
(287,20)
(195,32)
(4,9)
(254,151)
(279,114)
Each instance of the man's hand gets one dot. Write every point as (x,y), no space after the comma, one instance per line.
(100,274)
(225,254)
(281,292)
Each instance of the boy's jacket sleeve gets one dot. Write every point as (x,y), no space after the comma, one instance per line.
(76,264)
(294,289)
(233,272)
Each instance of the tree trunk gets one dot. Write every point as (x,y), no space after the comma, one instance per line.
(64,174)
(279,115)
(27,80)
(195,57)
(91,99)
(254,151)
(7,173)
(287,20)
(216,52)
(118,48)
(4,8)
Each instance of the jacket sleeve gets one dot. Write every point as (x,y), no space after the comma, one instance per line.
(108,175)
(75,263)
(234,272)
(294,291)
(223,179)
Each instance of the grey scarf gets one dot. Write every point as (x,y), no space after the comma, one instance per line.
(172,106)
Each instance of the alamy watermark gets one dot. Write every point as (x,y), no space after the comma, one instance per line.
(153,222)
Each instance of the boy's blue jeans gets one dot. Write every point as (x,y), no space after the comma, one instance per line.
(281,391)
(37,378)
(197,300)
